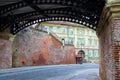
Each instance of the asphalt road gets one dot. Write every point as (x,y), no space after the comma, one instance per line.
(52,72)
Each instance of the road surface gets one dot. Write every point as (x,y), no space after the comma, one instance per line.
(52,72)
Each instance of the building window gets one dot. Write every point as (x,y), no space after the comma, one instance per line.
(71,41)
(66,41)
(95,42)
(93,33)
(55,29)
(91,53)
(96,53)
(63,30)
(90,42)
(88,32)
(70,31)
(80,31)
(50,27)
(81,42)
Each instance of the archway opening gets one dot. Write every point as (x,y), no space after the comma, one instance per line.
(15,16)
(82,38)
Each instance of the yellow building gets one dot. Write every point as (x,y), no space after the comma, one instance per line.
(81,37)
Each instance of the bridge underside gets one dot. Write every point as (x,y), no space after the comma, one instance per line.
(17,15)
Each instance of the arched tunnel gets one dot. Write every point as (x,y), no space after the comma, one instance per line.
(103,16)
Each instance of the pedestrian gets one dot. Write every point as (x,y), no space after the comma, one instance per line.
(80,60)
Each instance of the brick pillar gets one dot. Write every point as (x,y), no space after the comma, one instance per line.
(116,47)
(5,51)
(108,32)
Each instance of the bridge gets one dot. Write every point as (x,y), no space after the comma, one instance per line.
(103,16)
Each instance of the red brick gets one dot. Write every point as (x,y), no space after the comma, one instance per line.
(5,54)
(42,49)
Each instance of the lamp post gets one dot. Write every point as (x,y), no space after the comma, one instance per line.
(63,42)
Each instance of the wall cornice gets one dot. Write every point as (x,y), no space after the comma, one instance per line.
(110,11)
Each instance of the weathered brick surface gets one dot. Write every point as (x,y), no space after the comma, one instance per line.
(30,48)
(62,56)
(5,54)
(106,54)
(116,46)
(39,48)
(110,51)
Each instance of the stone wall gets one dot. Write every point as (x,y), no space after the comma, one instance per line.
(38,48)
(5,54)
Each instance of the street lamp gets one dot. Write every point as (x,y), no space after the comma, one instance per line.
(63,42)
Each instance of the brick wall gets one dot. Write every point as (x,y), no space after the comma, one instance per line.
(110,51)
(5,54)
(38,48)
(106,54)
(116,47)
(30,48)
